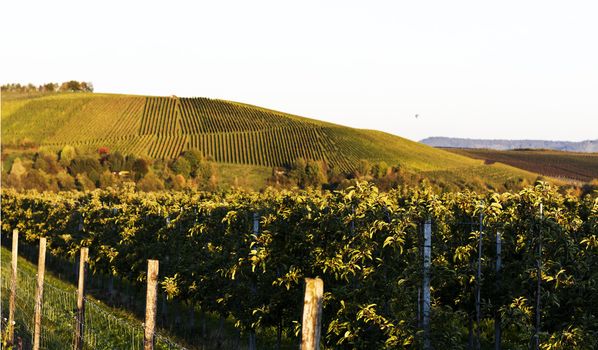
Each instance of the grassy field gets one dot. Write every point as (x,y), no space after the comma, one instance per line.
(564,165)
(232,134)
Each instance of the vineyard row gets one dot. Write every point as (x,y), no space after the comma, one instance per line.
(365,245)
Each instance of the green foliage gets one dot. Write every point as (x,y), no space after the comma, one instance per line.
(365,245)
(76,86)
(67,154)
(363,169)
(86,165)
(195,159)
(379,170)
(181,166)
(65,181)
(150,182)
(115,161)
(84,183)
(308,173)
(47,162)
(140,167)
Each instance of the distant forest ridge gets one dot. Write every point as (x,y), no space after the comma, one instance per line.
(582,146)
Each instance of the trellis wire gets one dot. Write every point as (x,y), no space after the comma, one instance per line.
(102,329)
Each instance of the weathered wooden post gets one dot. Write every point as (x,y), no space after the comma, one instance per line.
(256,231)
(539,284)
(497,319)
(13,287)
(151,304)
(478,284)
(426,283)
(312,314)
(80,317)
(39,294)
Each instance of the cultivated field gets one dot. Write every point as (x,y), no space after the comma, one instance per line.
(565,165)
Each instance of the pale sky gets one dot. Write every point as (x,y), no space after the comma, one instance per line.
(477,69)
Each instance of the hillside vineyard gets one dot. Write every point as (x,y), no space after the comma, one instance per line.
(227,132)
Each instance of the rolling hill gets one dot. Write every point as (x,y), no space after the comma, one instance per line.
(228,132)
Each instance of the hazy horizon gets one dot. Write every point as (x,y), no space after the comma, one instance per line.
(469,138)
(509,70)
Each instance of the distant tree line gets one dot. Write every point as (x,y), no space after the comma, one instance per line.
(316,174)
(70,169)
(309,173)
(67,86)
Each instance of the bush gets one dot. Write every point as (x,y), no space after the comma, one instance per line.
(35,179)
(83,183)
(115,161)
(65,181)
(195,159)
(150,182)
(67,154)
(181,166)
(140,167)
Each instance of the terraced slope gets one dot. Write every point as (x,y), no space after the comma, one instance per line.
(228,132)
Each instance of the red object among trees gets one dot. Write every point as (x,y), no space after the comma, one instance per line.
(103,151)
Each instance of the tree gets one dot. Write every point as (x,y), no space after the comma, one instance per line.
(83,183)
(308,173)
(86,86)
(103,151)
(195,158)
(67,154)
(47,162)
(49,87)
(363,169)
(12,180)
(207,177)
(65,181)
(18,169)
(297,172)
(106,179)
(140,167)
(379,170)
(70,86)
(315,175)
(88,165)
(181,166)
(115,161)
(177,182)
(150,182)
(35,179)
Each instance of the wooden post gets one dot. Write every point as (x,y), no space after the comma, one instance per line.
(39,294)
(256,223)
(426,283)
(478,284)
(312,314)
(252,341)
(497,319)
(80,317)
(539,284)
(13,287)
(151,304)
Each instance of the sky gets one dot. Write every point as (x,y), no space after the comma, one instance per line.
(475,69)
